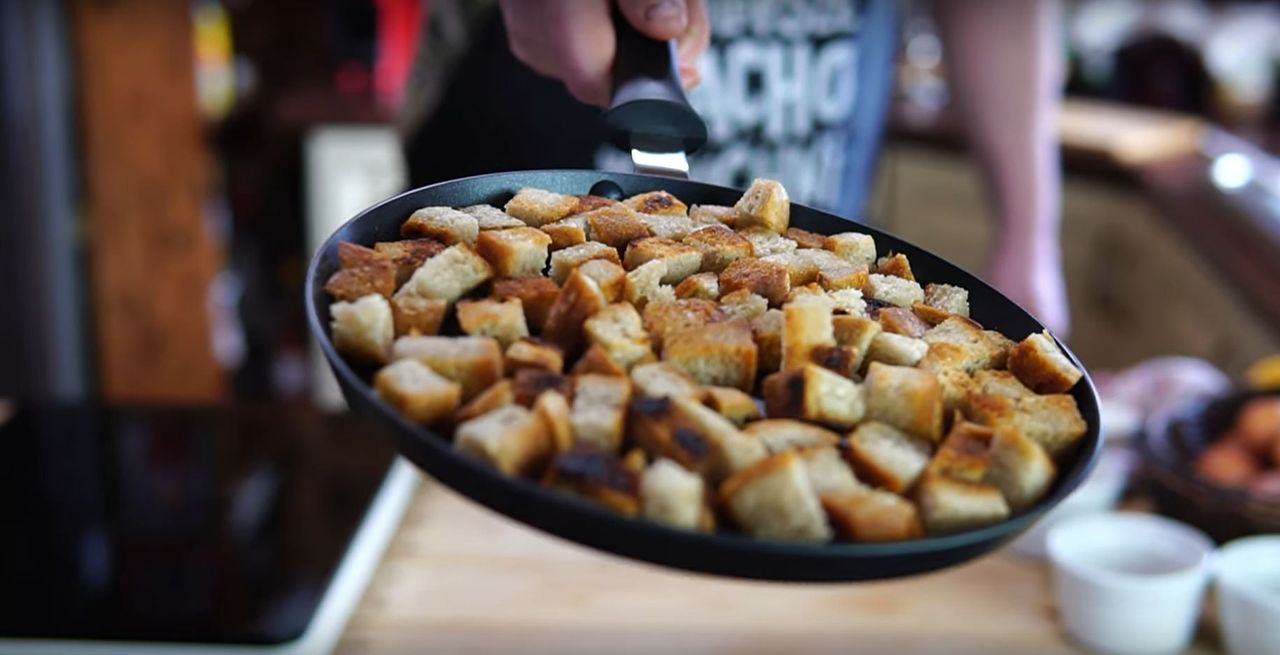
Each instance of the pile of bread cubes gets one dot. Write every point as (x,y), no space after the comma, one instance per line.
(706,367)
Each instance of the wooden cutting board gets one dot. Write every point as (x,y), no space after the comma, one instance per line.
(460,579)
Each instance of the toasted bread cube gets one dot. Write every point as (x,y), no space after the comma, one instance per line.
(662,380)
(536,294)
(779,434)
(948,298)
(450,274)
(354,255)
(529,383)
(537,207)
(719,246)
(965,453)
(765,204)
(713,214)
(1052,421)
(808,292)
(588,203)
(950,356)
(566,232)
(669,226)
(579,299)
(1000,383)
(765,242)
(565,261)
(618,329)
(596,360)
(636,460)
(842,360)
(982,348)
(511,438)
(664,319)
(489,217)
(413,315)
(956,386)
(896,349)
(856,332)
(1041,365)
(363,329)
(498,395)
(814,394)
(501,319)
(598,476)
(733,404)
(894,290)
(378,276)
(473,362)
(768,279)
(656,202)
(716,354)
(842,277)
(806,325)
(610,277)
(906,398)
(872,515)
(701,285)
(643,285)
(854,247)
(599,414)
(552,408)
(766,329)
(827,261)
(693,435)
(805,238)
(416,391)
(774,500)
(742,304)
(408,255)
(615,225)
(902,321)
(800,270)
(930,315)
(895,265)
(828,472)
(1020,468)
(515,252)
(532,353)
(681,260)
(948,505)
(887,457)
(444,224)
(671,494)
(848,301)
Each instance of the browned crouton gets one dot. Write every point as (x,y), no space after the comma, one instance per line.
(774,500)
(766,329)
(596,360)
(856,332)
(643,285)
(529,383)
(663,319)
(537,207)
(579,299)
(619,331)
(413,315)
(352,255)
(450,274)
(742,303)
(843,276)
(662,380)
(416,391)
(565,261)
(352,283)
(444,224)
(733,404)
(672,494)
(765,242)
(501,319)
(808,291)
(814,394)
(766,205)
(895,265)
(566,232)
(906,398)
(536,295)
(806,325)
(827,471)
(515,252)
(800,270)
(887,457)
(981,348)
(1019,468)
(893,290)
(902,321)
(511,438)
(1041,365)
(656,202)
(408,255)
(896,349)
(681,260)
(719,246)
(553,409)
(616,225)
(842,360)
(1000,383)
(489,217)
(948,298)
(872,515)
(693,435)
(674,227)
(948,505)
(720,353)
(713,214)
(854,247)
(598,476)
(701,285)
(847,301)
(805,238)
(362,329)
(1052,421)
(599,413)
(587,203)
(473,362)
(779,434)
(956,386)
(768,279)
(965,453)
(498,395)
(609,276)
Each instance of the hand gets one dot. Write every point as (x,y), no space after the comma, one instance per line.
(573,40)
(1029,272)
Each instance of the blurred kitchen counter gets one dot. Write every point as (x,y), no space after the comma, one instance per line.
(460,579)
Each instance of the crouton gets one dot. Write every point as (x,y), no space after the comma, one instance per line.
(981,348)
(681,260)
(713,214)
(662,380)
(764,204)
(408,255)
(1040,364)
(532,353)
(765,242)
(596,360)
(588,203)
(529,383)
(814,394)
(930,315)
(856,332)
(843,276)
(610,277)
(537,207)
(354,255)
(768,279)
(362,329)
(511,438)
(552,408)
(774,500)
(514,252)
(894,290)
(656,202)
(805,326)
(805,238)
(948,505)
(1020,468)
(643,285)
(887,457)
(822,260)
(417,392)
(413,315)
(733,404)
(895,265)
(378,276)
(1000,383)
(444,224)
(742,304)
(779,434)
(842,360)
(671,494)
(872,515)
(896,349)
(693,435)
(1052,421)
(616,225)
(536,294)
(674,227)
(854,247)
(715,354)
(450,274)
(813,290)
(565,261)
(618,329)
(473,362)
(800,270)
(579,299)
(501,319)
(566,232)
(701,285)
(766,329)
(965,453)
(902,321)
(906,398)
(664,319)
(948,298)
(497,395)
(636,460)
(848,301)
(719,246)
(956,386)
(598,476)
(599,414)
(489,217)
(827,471)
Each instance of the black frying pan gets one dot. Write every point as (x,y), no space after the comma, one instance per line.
(580,521)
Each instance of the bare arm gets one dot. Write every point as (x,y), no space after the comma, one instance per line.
(1005,66)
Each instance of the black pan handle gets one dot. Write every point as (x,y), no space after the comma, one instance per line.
(648,110)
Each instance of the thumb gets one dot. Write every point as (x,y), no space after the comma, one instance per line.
(656,19)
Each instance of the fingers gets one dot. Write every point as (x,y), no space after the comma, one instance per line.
(656,19)
(694,41)
(570,41)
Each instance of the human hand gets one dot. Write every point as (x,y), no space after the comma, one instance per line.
(1029,272)
(573,40)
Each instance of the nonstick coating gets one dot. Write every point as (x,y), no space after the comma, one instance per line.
(580,521)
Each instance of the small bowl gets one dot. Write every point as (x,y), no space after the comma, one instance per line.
(1247,582)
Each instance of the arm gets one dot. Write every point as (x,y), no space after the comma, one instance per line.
(1005,66)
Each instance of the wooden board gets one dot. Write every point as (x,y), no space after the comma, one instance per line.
(460,579)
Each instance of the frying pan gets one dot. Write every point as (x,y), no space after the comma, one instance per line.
(661,121)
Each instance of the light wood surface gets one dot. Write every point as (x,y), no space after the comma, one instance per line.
(460,579)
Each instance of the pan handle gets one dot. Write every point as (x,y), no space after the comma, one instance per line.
(648,110)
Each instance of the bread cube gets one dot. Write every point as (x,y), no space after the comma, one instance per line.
(588,203)
(906,398)
(615,225)
(843,276)
(827,471)
(529,383)
(713,215)
(413,315)
(948,298)
(895,265)
(765,242)
(854,247)
(532,353)
(537,207)
(981,348)
(643,285)
(450,274)
(362,329)
(701,285)
(965,453)
(733,404)
(766,329)
(809,292)
(536,295)
(579,299)
(842,360)
(715,354)
(774,500)
(872,516)
(354,255)
(500,394)
(894,290)
(805,238)
(695,436)
(656,202)
(565,261)
(419,393)
(763,278)
(566,232)
(489,217)
(956,386)
(886,457)
(444,224)
(1052,421)
(805,325)
(599,413)
(902,321)
(719,245)
(814,394)
(512,439)
(671,494)
(552,408)
(665,319)
(674,227)
(896,349)
(662,380)
(377,276)
(1020,468)
(800,270)
(501,319)
(598,476)
(856,332)
(408,255)
(473,362)
(514,252)
(618,329)
(847,301)
(1000,383)
(779,434)
(596,360)
(1040,364)
(948,505)
(610,277)
(742,303)
(681,260)
(765,204)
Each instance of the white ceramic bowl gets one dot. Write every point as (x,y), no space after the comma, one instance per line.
(1129,583)
(1247,581)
